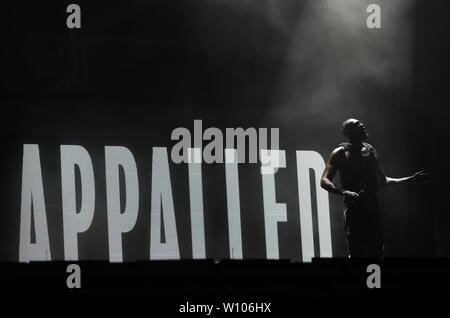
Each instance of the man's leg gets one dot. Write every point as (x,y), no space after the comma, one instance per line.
(355,246)
(375,242)
(355,233)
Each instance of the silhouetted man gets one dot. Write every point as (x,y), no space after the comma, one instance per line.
(361,176)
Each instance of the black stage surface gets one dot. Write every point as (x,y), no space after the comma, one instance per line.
(286,285)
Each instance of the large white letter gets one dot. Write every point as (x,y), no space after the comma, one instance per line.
(273,212)
(233,203)
(312,160)
(120,222)
(74,222)
(162,200)
(196,203)
(32,201)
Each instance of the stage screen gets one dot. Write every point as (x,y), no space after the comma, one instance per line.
(200,129)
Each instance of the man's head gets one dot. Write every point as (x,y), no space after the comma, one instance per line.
(354,130)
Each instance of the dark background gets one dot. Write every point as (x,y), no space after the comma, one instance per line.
(138,69)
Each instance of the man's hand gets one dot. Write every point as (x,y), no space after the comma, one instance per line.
(420,177)
(350,195)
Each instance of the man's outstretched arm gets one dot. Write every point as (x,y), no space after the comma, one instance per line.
(326,182)
(418,177)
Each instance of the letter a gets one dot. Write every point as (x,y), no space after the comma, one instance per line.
(374,279)
(74,279)
(32,201)
(374,19)
(162,202)
(74,18)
